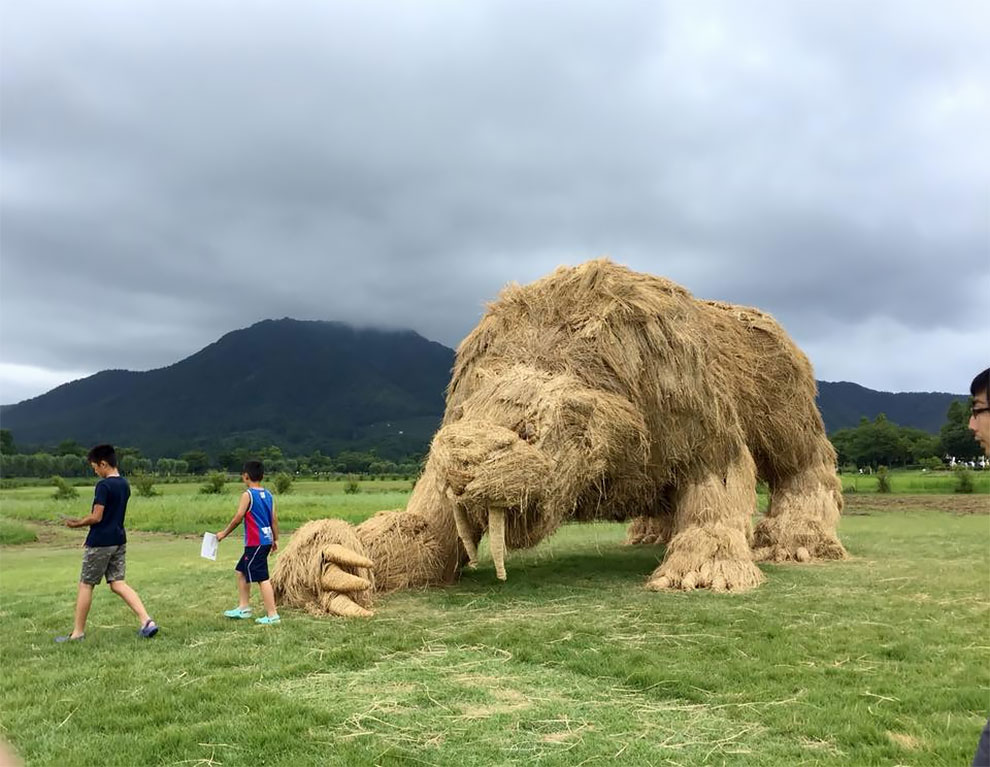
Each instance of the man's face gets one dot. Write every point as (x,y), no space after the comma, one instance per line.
(979,421)
(100,469)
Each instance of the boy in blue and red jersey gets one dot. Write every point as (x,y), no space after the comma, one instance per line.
(258,510)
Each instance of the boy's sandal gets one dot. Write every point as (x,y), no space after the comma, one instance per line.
(70,638)
(238,612)
(268,620)
(148,630)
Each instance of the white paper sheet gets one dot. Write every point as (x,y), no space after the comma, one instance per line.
(209,548)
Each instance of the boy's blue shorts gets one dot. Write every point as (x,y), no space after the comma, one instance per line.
(254,563)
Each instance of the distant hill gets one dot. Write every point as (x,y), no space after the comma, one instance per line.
(299,385)
(843,404)
(318,385)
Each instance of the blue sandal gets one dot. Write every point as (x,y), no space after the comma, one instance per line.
(148,630)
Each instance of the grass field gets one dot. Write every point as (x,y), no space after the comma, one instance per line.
(879,660)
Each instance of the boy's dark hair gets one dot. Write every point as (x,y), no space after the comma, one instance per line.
(981,383)
(255,470)
(103,453)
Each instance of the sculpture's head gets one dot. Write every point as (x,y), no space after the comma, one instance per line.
(531,442)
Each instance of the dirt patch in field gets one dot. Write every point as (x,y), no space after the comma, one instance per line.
(864,503)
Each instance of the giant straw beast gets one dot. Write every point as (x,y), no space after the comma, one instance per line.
(599,393)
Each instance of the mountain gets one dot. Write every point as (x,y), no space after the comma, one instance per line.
(318,385)
(299,385)
(843,404)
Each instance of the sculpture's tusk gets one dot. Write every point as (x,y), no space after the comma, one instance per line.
(496,540)
(466,534)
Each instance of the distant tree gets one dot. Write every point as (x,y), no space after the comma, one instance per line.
(7,446)
(131,464)
(63,490)
(72,466)
(283,483)
(883,480)
(40,465)
(964,480)
(145,484)
(955,438)
(197,461)
(70,447)
(214,484)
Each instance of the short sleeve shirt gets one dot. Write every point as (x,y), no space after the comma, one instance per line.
(112,494)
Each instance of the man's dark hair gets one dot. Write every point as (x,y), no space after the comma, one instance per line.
(103,453)
(981,383)
(255,470)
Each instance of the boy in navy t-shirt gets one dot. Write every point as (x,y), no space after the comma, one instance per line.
(106,545)
(257,509)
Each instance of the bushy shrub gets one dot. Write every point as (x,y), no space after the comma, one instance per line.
(932,463)
(849,468)
(883,480)
(214,484)
(145,485)
(351,486)
(63,490)
(964,480)
(283,483)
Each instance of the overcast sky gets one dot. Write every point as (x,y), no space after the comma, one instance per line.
(172,170)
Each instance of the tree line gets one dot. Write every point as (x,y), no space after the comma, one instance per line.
(68,459)
(883,443)
(879,442)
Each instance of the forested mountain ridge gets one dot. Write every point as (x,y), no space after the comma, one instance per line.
(843,404)
(301,385)
(309,385)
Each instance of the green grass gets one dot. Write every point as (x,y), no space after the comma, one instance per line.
(13,533)
(879,660)
(183,509)
(915,482)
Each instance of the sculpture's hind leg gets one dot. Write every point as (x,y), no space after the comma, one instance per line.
(657,528)
(650,531)
(801,521)
(710,547)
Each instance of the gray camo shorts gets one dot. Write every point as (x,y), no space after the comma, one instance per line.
(99,561)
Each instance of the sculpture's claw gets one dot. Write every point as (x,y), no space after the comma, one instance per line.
(335,579)
(345,557)
(344,606)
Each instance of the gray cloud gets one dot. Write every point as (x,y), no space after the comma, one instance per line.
(186,169)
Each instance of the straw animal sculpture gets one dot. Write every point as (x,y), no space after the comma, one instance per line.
(599,393)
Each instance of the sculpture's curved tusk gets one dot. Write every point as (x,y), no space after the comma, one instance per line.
(496,540)
(466,534)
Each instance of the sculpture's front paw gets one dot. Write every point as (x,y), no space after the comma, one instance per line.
(324,570)
(716,558)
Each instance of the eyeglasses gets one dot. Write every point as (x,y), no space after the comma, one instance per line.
(977,410)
